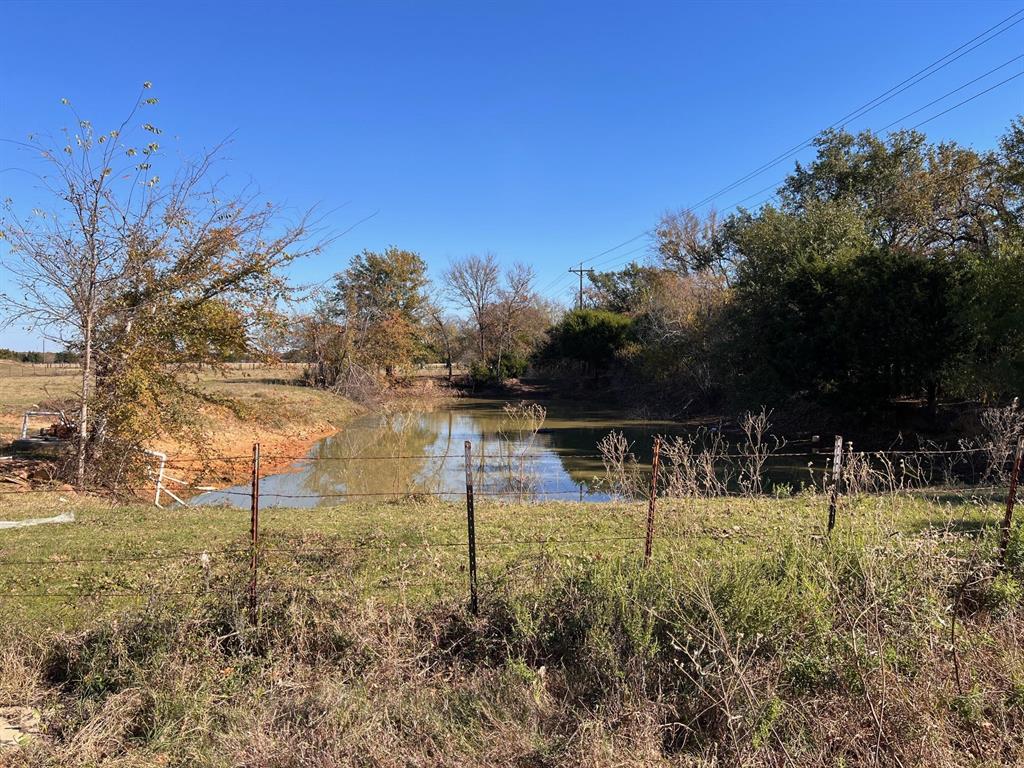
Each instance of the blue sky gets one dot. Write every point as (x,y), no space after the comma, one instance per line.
(546,132)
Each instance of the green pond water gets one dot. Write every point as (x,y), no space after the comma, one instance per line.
(422,452)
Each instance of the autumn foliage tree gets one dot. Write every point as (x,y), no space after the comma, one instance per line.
(886,269)
(372,323)
(147,267)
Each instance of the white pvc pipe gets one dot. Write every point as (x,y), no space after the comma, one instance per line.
(66,517)
(160,474)
(25,418)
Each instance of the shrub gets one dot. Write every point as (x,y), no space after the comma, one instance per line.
(497,370)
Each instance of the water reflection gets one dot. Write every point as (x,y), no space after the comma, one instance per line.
(402,453)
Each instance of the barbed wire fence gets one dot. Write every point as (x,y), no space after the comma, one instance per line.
(844,471)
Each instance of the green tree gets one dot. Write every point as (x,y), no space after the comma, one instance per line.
(856,287)
(995,314)
(628,290)
(591,337)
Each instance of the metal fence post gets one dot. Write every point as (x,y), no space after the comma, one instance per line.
(651,504)
(1011,499)
(471,529)
(837,476)
(254,530)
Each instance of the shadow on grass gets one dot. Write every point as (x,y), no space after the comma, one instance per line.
(964,497)
(272,380)
(974,529)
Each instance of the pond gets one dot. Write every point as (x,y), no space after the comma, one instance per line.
(422,452)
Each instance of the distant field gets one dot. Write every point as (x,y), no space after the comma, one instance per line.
(26,387)
(251,402)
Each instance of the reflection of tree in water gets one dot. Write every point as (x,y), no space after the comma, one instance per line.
(509,457)
(435,475)
(585,473)
(399,434)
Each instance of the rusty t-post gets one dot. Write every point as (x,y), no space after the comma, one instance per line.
(254,530)
(837,476)
(651,503)
(471,529)
(1011,499)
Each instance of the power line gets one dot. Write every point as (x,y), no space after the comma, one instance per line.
(581,272)
(778,183)
(561,281)
(561,278)
(950,93)
(621,256)
(897,89)
(944,96)
(922,74)
(965,101)
(615,248)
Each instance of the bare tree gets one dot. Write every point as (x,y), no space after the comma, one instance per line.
(690,244)
(514,300)
(473,282)
(1001,428)
(622,475)
(757,449)
(442,332)
(124,261)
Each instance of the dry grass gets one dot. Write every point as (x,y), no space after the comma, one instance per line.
(751,641)
(265,405)
(803,653)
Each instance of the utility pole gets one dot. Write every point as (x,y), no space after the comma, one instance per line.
(581,272)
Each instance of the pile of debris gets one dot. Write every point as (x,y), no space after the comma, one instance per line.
(20,474)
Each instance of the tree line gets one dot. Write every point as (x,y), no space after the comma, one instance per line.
(382,316)
(885,268)
(62,357)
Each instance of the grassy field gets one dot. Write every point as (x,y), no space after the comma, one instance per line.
(30,387)
(751,639)
(364,651)
(396,548)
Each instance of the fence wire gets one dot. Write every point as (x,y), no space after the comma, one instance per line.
(262,555)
